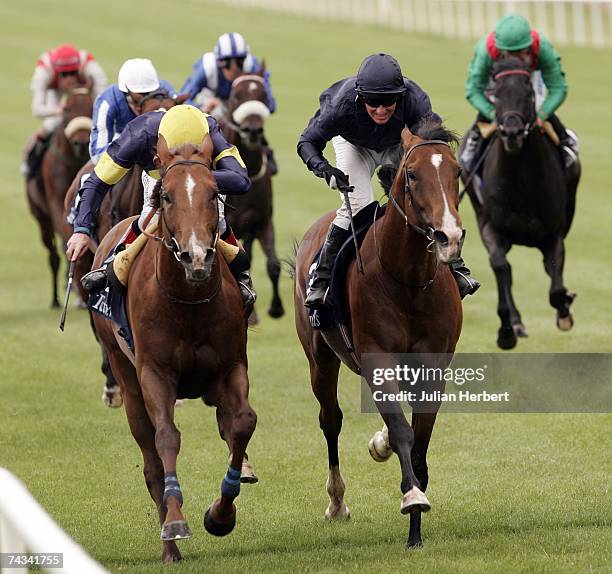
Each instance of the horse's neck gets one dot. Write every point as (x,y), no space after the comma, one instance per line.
(402,251)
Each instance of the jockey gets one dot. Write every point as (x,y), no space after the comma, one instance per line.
(363,116)
(54,71)
(122,102)
(513,36)
(136,145)
(212,76)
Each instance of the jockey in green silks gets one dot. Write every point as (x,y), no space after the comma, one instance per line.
(513,36)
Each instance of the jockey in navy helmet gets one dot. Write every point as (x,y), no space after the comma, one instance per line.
(363,116)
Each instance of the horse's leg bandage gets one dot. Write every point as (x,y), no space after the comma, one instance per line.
(124,259)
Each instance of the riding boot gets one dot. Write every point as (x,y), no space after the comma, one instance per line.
(317,291)
(472,149)
(568,142)
(36,154)
(466,283)
(240,269)
(98,279)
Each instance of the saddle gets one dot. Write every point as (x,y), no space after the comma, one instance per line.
(335,322)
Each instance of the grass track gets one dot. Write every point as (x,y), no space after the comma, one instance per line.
(521,493)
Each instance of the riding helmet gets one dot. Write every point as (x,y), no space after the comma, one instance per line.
(380,74)
(513,33)
(231,45)
(138,75)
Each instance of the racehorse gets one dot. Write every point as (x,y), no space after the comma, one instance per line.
(123,200)
(526,198)
(68,151)
(243,122)
(190,335)
(406,301)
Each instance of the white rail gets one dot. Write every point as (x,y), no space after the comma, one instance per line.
(26,527)
(577,22)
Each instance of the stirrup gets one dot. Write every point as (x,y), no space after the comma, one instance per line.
(247,292)
(466,283)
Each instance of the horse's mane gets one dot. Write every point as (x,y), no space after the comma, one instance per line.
(429,128)
(156,195)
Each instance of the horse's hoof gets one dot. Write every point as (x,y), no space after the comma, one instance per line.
(55,304)
(380,451)
(565,323)
(337,512)
(253,319)
(247,473)
(219,528)
(506,339)
(519,330)
(414,500)
(276,311)
(178,403)
(175,530)
(112,397)
(418,543)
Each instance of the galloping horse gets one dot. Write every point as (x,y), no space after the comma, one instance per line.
(68,151)
(190,337)
(406,301)
(243,124)
(526,198)
(123,200)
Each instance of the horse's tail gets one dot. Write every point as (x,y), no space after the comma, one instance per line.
(289,261)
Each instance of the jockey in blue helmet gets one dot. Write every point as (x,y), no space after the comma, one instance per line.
(212,75)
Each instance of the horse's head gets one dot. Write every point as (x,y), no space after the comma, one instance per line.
(247,107)
(77,124)
(514,102)
(187,195)
(427,188)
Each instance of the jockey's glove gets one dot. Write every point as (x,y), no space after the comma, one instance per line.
(335,178)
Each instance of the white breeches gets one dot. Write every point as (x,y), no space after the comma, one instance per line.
(359,163)
(148,184)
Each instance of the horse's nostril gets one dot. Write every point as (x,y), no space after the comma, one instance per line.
(185,257)
(210,254)
(440,238)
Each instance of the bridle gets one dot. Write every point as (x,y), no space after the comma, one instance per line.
(513,113)
(421,228)
(173,245)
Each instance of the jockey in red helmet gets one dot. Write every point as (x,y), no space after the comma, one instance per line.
(55,69)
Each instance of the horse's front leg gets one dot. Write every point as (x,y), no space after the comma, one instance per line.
(239,426)
(559,297)
(266,239)
(511,323)
(159,396)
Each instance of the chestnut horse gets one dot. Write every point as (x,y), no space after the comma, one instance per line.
(123,200)
(406,301)
(68,151)
(190,334)
(243,123)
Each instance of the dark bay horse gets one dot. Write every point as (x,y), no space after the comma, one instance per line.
(246,111)
(123,200)
(526,198)
(190,337)
(67,153)
(406,301)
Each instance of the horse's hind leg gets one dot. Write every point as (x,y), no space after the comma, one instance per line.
(48,238)
(144,433)
(559,297)
(324,368)
(422,425)
(511,323)
(111,395)
(266,238)
(238,424)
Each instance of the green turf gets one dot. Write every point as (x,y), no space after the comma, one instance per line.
(521,493)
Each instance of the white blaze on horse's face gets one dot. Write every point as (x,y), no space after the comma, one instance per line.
(449,226)
(189,187)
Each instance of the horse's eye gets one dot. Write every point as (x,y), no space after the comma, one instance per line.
(166,196)
(411,175)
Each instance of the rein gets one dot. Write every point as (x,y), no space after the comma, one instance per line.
(527,125)
(425,232)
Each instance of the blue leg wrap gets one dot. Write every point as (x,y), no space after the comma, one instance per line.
(172,488)
(231,483)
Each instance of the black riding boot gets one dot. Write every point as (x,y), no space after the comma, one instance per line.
(466,283)
(240,269)
(568,142)
(336,236)
(36,154)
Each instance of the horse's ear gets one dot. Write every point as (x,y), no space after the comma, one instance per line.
(262,69)
(408,139)
(181,99)
(163,155)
